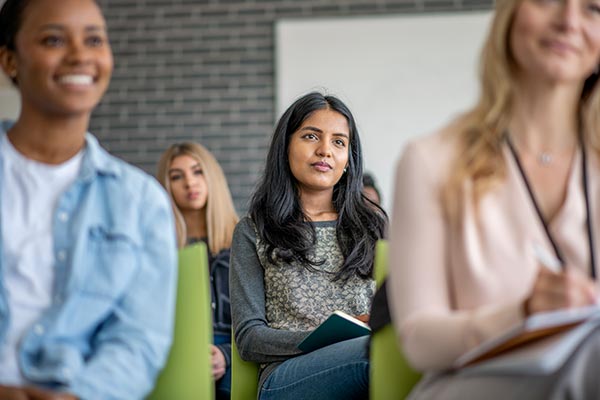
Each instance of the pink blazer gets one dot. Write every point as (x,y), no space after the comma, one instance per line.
(452,288)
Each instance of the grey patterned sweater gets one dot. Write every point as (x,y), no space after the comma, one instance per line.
(275,306)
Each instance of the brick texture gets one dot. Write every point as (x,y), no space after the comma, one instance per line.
(203,70)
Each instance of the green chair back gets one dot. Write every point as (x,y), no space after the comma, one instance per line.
(380,269)
(391,376)
(188,372)
(244,376)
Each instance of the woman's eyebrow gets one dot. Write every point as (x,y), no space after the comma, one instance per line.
(60,27)
(312,128)
(345,135)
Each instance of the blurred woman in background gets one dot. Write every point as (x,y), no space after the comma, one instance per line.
(479,203)
(204,212)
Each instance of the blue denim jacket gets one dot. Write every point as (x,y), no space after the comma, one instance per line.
(109,329)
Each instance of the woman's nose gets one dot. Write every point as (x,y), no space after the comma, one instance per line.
(78,53)
(324,149)
(188,180)
(570,15)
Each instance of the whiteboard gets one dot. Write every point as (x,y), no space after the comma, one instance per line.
(401,76)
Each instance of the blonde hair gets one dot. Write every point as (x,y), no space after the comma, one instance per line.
(221,217)
(481,131)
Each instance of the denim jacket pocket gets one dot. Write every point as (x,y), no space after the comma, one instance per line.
(112,263)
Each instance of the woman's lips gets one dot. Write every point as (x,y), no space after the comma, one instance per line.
(321,166)
(559,46)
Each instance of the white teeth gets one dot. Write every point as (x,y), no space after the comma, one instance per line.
(76,79)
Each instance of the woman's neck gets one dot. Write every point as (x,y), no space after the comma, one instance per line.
(46,139)
(545,117)
(318,205)
(195,223)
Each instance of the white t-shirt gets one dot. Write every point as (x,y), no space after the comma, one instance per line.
(29,194)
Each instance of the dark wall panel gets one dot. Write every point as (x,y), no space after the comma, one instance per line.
(203,70)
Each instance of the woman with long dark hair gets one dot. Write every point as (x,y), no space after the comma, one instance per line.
(306,250)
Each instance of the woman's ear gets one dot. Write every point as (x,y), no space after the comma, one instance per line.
(8,63)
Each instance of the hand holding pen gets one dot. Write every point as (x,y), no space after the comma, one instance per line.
(558,286)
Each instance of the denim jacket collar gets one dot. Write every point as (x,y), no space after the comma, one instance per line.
(95,160)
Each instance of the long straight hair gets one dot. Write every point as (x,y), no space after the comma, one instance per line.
(278,215)
(481,130)
(221,217)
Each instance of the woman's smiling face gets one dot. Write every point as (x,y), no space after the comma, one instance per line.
(556,40)
(62,59)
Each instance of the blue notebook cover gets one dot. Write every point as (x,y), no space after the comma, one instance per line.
(338,327)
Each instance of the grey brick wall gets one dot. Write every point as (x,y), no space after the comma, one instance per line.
(203,70)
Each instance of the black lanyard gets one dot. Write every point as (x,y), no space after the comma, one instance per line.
(588,219)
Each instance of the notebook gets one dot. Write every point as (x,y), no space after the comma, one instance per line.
(338,327)
(551,337)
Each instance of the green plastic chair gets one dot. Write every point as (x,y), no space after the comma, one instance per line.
(188,372)
(391,376)
(244,376)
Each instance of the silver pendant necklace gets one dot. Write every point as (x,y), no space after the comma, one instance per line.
(545,159)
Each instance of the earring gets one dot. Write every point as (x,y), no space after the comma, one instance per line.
(345,170)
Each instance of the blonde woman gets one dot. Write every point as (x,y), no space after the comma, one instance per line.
(204,212)
(519,172)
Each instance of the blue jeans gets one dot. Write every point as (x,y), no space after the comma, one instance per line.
(338,371)
(223,385)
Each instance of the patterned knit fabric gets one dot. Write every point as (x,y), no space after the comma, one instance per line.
(298,299)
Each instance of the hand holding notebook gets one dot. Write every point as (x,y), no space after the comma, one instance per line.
(535,327)
(539,325)
(338,327)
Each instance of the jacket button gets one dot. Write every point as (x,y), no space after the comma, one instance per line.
(38,329)
(65,372)
(62,255)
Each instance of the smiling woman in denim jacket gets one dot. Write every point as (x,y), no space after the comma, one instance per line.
(204,212)
(88,256)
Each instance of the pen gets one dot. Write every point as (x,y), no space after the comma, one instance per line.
(547,259)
